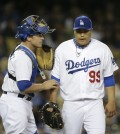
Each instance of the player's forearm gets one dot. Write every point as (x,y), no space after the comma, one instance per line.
(111,93)
(34,88)
(47,85)
(53,95)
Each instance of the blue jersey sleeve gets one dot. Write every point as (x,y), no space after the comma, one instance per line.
(109,81)
(24,84)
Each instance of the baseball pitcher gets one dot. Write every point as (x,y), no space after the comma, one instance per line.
(84,68)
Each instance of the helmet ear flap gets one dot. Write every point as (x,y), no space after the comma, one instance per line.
(23,36)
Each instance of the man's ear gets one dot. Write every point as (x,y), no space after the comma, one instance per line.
(29,38)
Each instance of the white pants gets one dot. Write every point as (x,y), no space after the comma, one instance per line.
(17,115)
(87,113)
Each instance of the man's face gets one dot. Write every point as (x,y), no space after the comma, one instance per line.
(82,36)
(37,40)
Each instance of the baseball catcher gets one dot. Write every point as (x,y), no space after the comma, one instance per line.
(50,115)
(20,84)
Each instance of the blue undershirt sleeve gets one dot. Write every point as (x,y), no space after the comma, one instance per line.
(24,84)
(54,78)
(109,81)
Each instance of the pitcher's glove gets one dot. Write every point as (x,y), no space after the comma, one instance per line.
(50,115)
(44,57)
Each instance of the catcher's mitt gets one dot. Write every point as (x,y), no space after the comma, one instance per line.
(44,57)
(50,115)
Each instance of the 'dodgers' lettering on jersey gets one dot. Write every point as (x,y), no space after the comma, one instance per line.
(73,67)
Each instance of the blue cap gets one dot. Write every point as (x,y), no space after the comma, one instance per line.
(83,22)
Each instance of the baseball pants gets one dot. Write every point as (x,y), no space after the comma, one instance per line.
(84,113)
(17,115)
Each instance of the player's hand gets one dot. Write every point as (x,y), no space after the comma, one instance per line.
(50,84)
(110,109)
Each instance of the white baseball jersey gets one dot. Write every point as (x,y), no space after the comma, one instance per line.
(19,68)
(81,71)
(16,112)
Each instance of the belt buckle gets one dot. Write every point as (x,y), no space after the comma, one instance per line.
(25,97)
(28,98)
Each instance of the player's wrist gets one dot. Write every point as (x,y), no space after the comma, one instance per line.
(111,101)
(41,87)
(111,98)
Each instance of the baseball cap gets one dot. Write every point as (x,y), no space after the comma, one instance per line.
(83,22)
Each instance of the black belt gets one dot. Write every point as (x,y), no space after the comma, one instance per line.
(20,96)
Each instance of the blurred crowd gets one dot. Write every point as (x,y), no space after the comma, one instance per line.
(60,15)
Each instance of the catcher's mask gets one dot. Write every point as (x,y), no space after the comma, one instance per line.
(32,26)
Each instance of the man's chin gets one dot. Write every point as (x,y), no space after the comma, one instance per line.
(83,44)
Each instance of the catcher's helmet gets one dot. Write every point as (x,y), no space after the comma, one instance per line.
(32,26)
(83,22)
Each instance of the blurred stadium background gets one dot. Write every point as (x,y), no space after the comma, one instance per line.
(60,14)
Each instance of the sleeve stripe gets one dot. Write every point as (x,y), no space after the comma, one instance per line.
(53,77)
